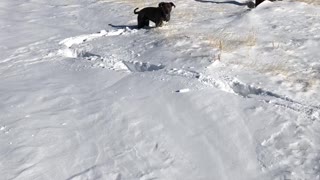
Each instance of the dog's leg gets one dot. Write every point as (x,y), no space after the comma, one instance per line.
(146,22)
(159,23)
(258,2)
(141,21)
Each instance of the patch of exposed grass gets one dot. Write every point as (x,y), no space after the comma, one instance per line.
(225,42)
(229,42)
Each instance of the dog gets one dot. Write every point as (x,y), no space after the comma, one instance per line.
(154,14)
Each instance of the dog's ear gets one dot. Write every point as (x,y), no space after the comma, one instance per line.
(161,4)
(173,4)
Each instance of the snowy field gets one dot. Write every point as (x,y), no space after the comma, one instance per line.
(220,92)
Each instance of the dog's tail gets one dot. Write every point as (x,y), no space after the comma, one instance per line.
(135,11)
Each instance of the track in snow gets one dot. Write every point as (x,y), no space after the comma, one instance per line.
(271,150)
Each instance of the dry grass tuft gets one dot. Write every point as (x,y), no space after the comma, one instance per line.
(229,42)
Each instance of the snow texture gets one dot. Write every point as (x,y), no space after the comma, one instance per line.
(219,92)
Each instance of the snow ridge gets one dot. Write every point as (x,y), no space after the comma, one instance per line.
(73,49)
(68,42)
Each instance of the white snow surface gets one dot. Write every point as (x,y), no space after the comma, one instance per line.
(220,92)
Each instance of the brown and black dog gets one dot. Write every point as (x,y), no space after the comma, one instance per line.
(154,14)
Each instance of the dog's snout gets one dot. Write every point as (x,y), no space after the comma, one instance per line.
(167,17)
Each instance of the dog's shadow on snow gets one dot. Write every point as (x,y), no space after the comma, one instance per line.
(128,26)
(225,2)
(123,26)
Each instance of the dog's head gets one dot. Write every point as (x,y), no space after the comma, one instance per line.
(166,8)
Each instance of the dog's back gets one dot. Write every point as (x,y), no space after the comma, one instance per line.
(152,13)
(146,10)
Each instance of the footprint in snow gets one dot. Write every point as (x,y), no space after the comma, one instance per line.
(136,66)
